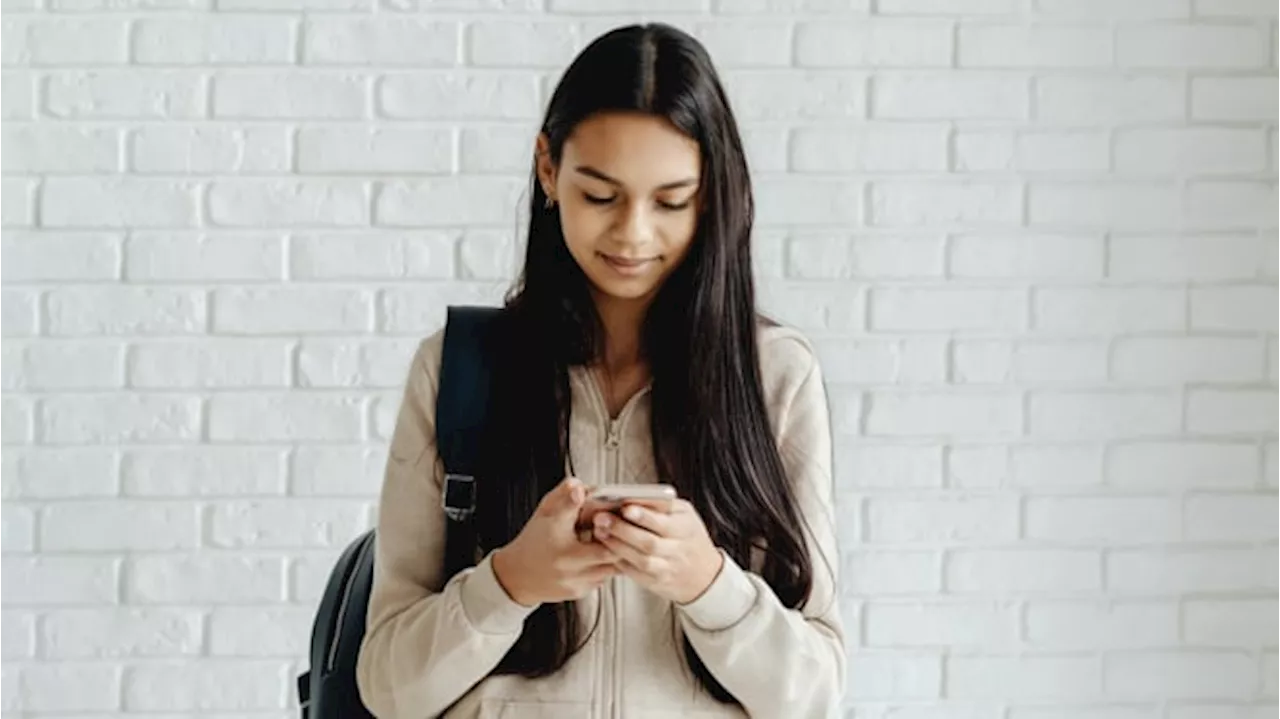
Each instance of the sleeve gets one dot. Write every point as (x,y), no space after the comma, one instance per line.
(426,645)
(778,661)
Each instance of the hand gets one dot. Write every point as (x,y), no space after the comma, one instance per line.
(670,553)
(546,562)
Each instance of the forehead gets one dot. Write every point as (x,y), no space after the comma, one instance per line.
(641,151)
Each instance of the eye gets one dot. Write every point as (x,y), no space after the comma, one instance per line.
(674,206)
(595,200)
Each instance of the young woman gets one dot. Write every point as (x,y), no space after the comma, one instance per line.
(631,352)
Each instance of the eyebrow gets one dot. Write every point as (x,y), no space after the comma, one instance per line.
(593,172)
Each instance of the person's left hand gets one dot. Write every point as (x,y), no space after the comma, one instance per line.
(668,553)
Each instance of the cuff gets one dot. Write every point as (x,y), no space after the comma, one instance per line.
(724,604)
(487,605)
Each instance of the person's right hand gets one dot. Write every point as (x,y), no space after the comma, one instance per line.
(547,562)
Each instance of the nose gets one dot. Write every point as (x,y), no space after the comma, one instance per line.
(635,227)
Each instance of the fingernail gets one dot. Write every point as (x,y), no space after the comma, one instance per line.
(576,494)
(602,532)
(603,520)
(632,512)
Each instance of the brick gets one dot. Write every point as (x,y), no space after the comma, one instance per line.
(872,148)
(846,412)
(285,418)
(264,631)
(205,149)
(142,418)
(42,149)
(183,257)
(1174,360)
(878,361)
(521,43)
(946,7)
(380,41)
(42,41)
(121,310)
(17,199)
(1221,711)
(488,255)
(20,628)
(215,579)
(59,365)
(495,150)
(1103,100)
(936,624)
(1226,205)
(1178,571)
(945,521)
(1056,46)
(463,5)
(367,256)
(21,312)
(328,150)
(876,43)
(123,5)
(52,580)
(288,203)
(294,5)
(1180,675)
(203,686)
(886,572)
(1233,99)
(44,687)
(1231,623)
(421,310)
(928,309)
(823,256)
(766,96)
(1101,625)
(1270,460)
(459,96)
(60,257)
(18,524)
(1129,10)
(115,632)
(1032,151)
(337,471)
(1230,411)
(900,677)
(799,200)
(204,472)
(1185,464)
(19,95)
(1034,678)
(294,95)
(60,473)
(1023,255)
(1054,466)
(1117,206)
(1195,151)
(999,571)
(1189,259)
(18,420)
(1108,310)
(1235,8)
(210,364)
(290,310)
(1002,362)
(922,414)
(1114,521)
(912,203)
(214,40)
(124,94)
(625,6)
(285,524)
(1231,518)
(1103,415)
(888,466)
(117,202)
(967,96)
(448,201)
(1198,46)
(1246,308)
(745,43)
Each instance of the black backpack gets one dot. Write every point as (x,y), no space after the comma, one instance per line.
(328,689)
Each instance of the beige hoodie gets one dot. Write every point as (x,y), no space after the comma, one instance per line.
(429,648)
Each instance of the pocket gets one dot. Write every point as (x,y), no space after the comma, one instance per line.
(526,709)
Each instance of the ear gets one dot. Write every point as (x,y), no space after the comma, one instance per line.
(546,168)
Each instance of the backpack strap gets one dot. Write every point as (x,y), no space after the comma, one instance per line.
(461,405)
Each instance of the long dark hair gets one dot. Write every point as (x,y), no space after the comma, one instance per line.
(711,432)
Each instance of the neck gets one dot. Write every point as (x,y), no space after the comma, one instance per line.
(622,322)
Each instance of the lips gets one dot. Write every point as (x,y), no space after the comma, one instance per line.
(626,266)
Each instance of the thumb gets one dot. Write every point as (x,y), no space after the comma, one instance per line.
(567,497)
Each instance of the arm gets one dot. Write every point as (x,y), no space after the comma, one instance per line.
(778,661)
(426,645)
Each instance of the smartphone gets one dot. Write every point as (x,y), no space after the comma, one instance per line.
(611,498)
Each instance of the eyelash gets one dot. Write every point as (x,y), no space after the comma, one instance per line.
(606,200)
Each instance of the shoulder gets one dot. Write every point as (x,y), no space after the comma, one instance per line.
(787,361)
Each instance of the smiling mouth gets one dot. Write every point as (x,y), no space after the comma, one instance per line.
(625,262)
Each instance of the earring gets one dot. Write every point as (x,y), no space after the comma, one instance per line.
(550,202)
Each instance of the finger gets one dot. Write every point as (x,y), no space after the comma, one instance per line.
(655,522)
(565,499)
(641,539)
(632,559)
(591,554)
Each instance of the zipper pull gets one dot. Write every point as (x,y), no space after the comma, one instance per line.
(612,439)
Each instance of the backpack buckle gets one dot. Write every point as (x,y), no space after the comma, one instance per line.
(459,496)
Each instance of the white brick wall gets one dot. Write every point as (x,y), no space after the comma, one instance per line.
(1034,242)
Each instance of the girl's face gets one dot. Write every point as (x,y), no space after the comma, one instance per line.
(627,193)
